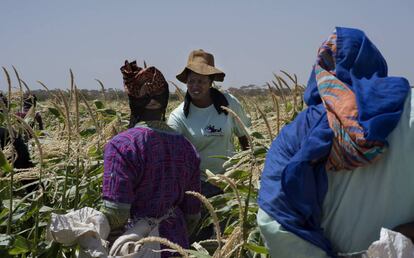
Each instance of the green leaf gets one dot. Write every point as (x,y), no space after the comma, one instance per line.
(88,132)
(257,135)
(219,157)
(54,111)
(99,104)
(259,150)
(96,170)
(27,213)
(198,254)
(228,230)
(4,190)
(49,250)
(20,246)
(45,209)
(5,241)
(288,107)
(107,111)
(239,174)
(256,248)
(94,152)
(199,248)
(4,164)
(14,244)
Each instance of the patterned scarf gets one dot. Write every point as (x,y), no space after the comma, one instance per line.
(350,148)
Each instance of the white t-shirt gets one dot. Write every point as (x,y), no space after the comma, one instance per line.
(209,132)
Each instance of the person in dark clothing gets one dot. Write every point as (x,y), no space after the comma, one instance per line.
(29,101)
(22,160)
(22,152)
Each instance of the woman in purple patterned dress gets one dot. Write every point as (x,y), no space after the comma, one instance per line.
(149,167)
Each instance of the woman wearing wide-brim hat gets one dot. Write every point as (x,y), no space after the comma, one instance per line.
(200,117)
(204,123)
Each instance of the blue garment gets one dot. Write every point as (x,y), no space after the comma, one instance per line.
(294,179)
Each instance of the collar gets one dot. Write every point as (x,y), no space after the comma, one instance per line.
(157,125)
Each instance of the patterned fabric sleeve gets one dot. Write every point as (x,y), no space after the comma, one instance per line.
(190,204)
(121,167)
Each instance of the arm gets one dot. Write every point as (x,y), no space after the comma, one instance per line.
(117,215)
(284,244)
(121,167)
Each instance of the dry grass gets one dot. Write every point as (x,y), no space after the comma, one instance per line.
(65,156)
(213,214)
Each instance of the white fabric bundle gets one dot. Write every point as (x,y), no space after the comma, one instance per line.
(89,228)
(391,245)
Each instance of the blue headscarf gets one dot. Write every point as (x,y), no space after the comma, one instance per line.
(294,180)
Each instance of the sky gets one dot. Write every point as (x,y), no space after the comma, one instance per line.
(250,40)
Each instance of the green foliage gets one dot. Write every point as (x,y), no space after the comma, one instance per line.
(2,118)
(257,135)
(4,164)
(54,111)
(87,132)
(13,245)
(99,104)
(73,167)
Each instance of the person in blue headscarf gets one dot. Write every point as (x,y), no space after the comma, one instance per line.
(343,168)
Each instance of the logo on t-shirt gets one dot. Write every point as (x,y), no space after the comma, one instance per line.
(211,130)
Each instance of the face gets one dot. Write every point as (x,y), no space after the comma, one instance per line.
(198,86)
(153,105)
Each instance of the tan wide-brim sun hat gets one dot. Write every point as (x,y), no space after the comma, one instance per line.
(202,63)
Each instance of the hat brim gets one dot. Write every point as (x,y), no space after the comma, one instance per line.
(203,69)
